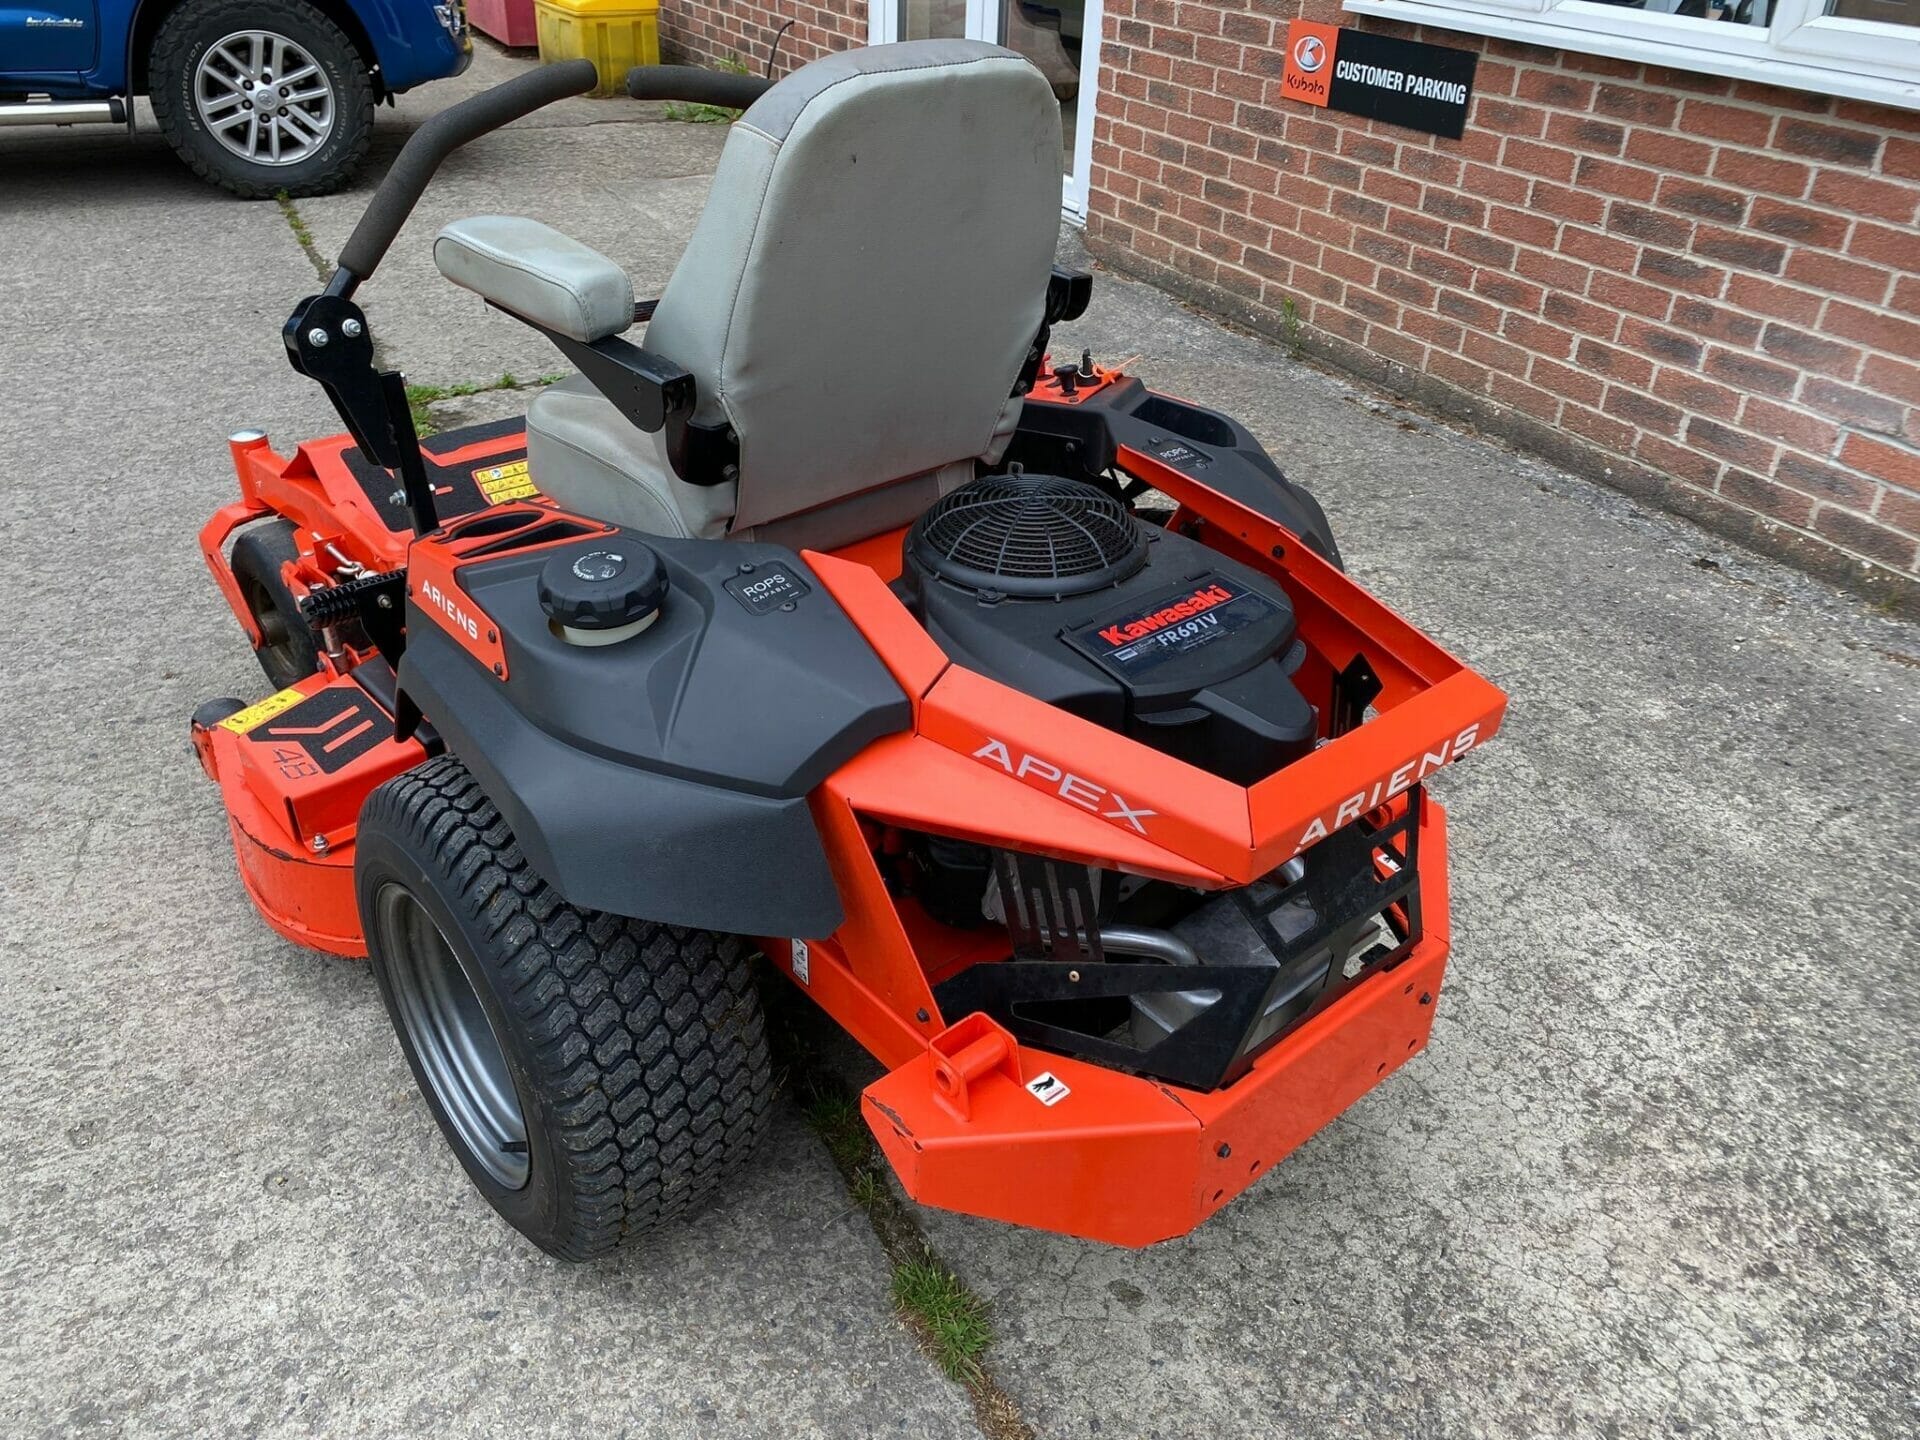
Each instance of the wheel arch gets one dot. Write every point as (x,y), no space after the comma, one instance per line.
(150,15)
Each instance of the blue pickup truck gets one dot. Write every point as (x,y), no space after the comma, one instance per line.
(257,96)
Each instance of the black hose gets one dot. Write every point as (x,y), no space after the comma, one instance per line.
(694,86)
(446,132)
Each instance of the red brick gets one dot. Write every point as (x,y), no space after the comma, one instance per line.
(1599,65)
(1651,226)
(1697,393)
(1522,225)
(1852,406)
(1430,328)
(1505,118)
(1890,333)
(1582,132)
(1529,399)
(1538,336)
(1810,352)
(1762,172)
(1664,267)
(1459,209)
(1789,426)
(1629,296)
(1706,202)
(1603,430)
(1551,88)
(1441,269)
(1491,184)
(1430,165)
(1669,152)
(1582,206)
(1884,245)
(1392,188)
(1496,355)
(1565,381)
(1900,511)
(1557,274)
(1895,464)
(1864,537)
(1843,277)
(1902,159)
(1798,223)
(1682,462)
(1614,363)
(1749,373)
(1823,481)
(1715,322)
(1894,378)
(1565,308)
(1764,497)
(1708,120)
(1536,159)
(1468,309)
(1731,247)
(1863,195)
(1906,296)
(1757,94)
(1642,410)
(1774,300)
(1730,444)
(1506,290)
(1642,107)
(1626,182)
(1480,248)
(1833,144)
(1458,371)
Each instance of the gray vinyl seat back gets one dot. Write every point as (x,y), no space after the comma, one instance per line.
(869,272)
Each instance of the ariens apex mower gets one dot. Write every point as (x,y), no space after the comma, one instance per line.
(1021,714)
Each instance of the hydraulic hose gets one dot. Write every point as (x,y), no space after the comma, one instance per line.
(693,86)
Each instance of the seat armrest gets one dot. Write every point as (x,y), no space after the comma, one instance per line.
(538,274)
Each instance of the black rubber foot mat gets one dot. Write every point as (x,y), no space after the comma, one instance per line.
(478,479)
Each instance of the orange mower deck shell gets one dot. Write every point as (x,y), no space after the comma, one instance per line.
(1115,1157)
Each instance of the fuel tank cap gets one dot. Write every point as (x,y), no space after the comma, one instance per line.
(600,593)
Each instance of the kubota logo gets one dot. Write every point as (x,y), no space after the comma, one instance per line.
(450,608)
(1074,789)
(1198,603)
(1310,53)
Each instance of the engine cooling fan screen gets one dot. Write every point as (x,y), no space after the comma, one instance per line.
(1029,536)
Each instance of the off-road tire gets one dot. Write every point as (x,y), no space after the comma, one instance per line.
(287,652)
(184,37)
(638,1051)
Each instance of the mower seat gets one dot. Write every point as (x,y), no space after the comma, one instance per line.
(856,302)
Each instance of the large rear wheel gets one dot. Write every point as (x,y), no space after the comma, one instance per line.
(595,1075)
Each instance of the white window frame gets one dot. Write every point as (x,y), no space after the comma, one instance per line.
(1803,49)
(983,22)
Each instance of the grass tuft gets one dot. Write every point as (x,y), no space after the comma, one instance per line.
(420,398)
(707,114)
(951,1318)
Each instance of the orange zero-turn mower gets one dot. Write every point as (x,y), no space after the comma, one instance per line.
(1023,715)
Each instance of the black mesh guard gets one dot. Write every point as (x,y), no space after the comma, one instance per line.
(1029,535)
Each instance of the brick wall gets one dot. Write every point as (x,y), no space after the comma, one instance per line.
(1704,291)
(706,33)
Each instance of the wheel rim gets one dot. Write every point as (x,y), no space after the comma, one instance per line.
(264,98)
(277,644)
(452,1038)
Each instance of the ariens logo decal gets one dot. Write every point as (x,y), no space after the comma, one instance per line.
(1384,789)
(449,607)
(1310,53)
(1074,789)
(1198,603)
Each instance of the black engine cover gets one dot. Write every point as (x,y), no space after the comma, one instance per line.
(1190,652)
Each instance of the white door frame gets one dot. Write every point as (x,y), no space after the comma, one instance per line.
(983,23)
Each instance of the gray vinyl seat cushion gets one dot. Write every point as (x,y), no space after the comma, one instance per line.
(855,303)
(538,273)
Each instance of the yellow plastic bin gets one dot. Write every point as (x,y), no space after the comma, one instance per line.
(615,35)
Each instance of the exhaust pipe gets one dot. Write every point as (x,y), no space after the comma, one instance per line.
(64,112)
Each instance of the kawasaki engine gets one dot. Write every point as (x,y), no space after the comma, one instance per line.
(1049,585)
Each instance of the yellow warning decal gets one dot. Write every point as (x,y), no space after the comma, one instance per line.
(500,483)
(241,721)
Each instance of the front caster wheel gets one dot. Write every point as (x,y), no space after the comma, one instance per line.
(595,1075)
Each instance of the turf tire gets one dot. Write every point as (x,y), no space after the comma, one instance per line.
(638,1051)
(287,651)
(177,49)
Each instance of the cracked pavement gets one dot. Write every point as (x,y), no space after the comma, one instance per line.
(1658,1170)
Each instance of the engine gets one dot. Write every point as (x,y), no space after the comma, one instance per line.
(1051,586)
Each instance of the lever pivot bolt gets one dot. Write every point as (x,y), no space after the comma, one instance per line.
(351,329)
(317,337)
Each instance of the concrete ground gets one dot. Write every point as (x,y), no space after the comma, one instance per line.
(1657,1173)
